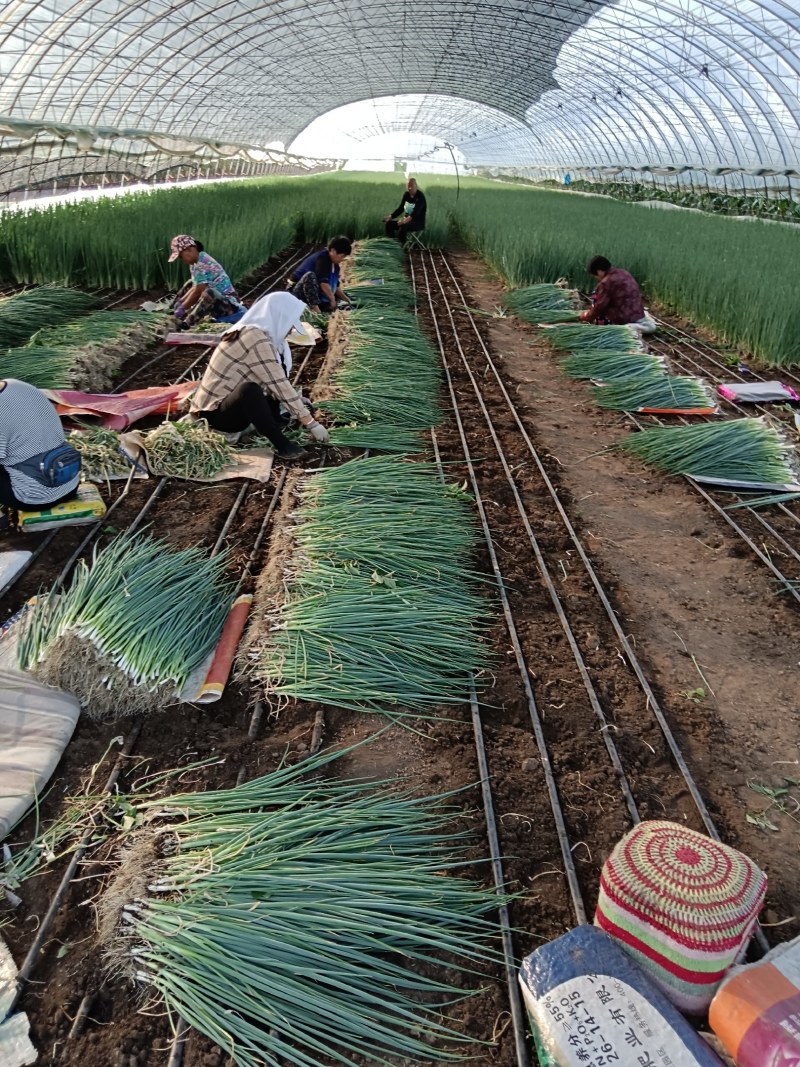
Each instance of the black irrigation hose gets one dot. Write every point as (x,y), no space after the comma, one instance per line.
(570,872)
(607,607)
(610,612)
(495,855)
(588,684)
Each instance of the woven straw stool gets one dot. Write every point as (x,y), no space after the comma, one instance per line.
(682,905)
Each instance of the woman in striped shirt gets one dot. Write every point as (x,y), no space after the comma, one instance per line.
(30,432)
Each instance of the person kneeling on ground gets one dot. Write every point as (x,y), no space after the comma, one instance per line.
(617,300)
(412,208)
(37,466)
(209,293)
(245,380)
(316,280)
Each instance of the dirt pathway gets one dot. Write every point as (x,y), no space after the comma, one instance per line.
(721,645)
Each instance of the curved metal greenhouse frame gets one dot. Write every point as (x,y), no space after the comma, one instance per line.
(701,84)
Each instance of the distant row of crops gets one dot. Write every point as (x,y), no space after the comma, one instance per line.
(734,278)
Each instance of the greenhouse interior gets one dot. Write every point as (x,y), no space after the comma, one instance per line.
(399,533)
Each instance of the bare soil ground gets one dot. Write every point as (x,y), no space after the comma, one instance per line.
(690,598)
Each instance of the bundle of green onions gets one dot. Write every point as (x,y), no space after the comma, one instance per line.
(580,338)
(378,437)
(301,921)
(740,450)
(373,615)
(188,449)
(397,294)
(22,314)
(387,380)
(378,257)
(81,355)
(46,368)
(101,456)
(544,303)
(131,627)
(663,393)
(610,366)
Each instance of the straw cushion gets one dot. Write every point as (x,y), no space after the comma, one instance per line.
(682,905)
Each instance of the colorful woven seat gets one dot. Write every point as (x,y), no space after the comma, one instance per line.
(684,906)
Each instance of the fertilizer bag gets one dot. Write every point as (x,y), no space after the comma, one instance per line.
(591,1006)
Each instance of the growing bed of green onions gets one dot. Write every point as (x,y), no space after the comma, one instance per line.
(302,919)
(739,450)
(657,392)
(380,610)
(131,627)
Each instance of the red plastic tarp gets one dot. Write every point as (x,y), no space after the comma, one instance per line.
(118,411)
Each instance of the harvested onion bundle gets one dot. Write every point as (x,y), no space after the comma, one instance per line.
(131,628)
(656,393)
(22,314)
(372,614)
(302,920)
(589,338)
(186,450)
(101,457)
(544,303)
(740,451)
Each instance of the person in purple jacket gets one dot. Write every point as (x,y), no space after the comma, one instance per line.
(617,300)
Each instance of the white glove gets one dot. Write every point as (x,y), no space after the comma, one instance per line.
(318,432)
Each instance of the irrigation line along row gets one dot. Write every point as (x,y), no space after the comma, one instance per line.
(652,701)
(570,872)
(495,854)
(609,610)
(544,571)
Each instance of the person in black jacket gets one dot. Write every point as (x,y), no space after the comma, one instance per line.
(410,215)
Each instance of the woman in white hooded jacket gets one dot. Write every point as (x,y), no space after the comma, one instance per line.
(246,378)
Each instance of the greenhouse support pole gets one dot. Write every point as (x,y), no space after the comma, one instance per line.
(452,153)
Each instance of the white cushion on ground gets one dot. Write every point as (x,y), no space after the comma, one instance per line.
(36,723)
(16,1049)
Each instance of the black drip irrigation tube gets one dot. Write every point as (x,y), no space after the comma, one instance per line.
(633,661)
(570,872)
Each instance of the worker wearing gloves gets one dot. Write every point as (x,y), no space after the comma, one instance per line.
(316,280)
(37,467)
(617,300)
(209,293)
(245,381)
(409,216)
